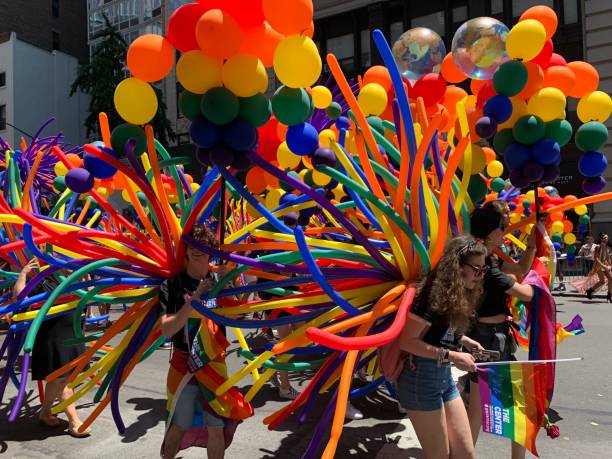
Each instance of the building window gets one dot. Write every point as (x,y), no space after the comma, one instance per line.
(570,11)
(2,117)
(433,21)
(56,40)
(497,6)
(395,30)
(343,47)
(366,56)
(519,6)
(55,8)
(2,79)
(460,14)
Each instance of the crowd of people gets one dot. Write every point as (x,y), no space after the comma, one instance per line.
(459,316)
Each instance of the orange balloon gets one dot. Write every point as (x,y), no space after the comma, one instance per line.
(289,17)
(74,159)
(544,15)
(218,34)
(535,78)
(309,32)
(150,57)
(271,181)
(449,70)
(569,198)
(281,131)
(559,77)
(189,178)
(452,95)
(556,216)
(475,85)
(119,181)
(378,74)
(587,78)
(261,41)
(489,154)
(568,226)
(255,181)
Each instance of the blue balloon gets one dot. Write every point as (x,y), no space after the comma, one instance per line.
(240,135)
(571,257)
(499,108)
(302,139)
(546,151)
(557,246)
(592,164)
(516,155)
(204,133)
(98,167)
(343,123)
(512,205)
(287,198)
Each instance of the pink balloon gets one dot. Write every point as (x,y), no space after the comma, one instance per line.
(557,59)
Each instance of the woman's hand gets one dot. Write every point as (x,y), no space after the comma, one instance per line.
(204,286)
(462,360)
(472,345)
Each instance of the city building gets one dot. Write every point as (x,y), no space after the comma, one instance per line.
(38,63)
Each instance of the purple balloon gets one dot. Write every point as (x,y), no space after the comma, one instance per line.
(517,179)
(593,185)
(221,156)
(290,219)
(533,171)
(241,162)
(486,127)
(551,173)
(323,156)
(79,180)
(203,156)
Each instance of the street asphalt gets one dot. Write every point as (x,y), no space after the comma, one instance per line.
(583,402)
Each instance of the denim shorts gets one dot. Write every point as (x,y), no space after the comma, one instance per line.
(423,386)
(186,407)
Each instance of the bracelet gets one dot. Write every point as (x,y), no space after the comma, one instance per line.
(442,356)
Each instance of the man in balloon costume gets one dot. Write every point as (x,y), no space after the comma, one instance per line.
(344,191)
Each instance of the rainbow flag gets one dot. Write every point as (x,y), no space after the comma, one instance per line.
(513,399)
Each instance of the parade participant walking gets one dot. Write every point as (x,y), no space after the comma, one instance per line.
(602,267)
(441,312)
(50,353)
(587,252)
(493,327)
(175,297)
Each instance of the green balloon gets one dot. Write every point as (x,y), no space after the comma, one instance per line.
(141,196)
(256,109)
(570,249)
(334,110)
(220,106)
(591,136)
(308,178)
(59,183)
(528,129)
(291,105)
(584,219)
(286,187)
(560,131)
(510,78)
(189,105)
(498,184)
(502,140)
(477,188)
(557,238)
(124,132)
(376,123)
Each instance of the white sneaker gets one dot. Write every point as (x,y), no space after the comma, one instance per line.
(352,412)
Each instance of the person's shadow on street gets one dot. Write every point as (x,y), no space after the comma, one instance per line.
(154,412)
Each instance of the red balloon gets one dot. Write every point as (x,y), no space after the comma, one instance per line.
(430,87)
(485,93)
(181,27)
(557,59)
(543,59)
(268,139)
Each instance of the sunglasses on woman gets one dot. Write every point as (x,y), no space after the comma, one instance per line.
(478,270)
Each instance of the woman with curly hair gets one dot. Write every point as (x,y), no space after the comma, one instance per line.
(602,267)
(440,313)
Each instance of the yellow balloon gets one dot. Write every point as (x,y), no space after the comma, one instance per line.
(495,168)
(297,63)
(252,211)
(557,227)
(515,218)
(194,186)
(326,137)
(569,238)
(125,196)
(581,209)
(172,198)
(519,109)
(103,192)
(286,158)
(372,99)
(60,169)
(338,193)
(135,101)
(479,159)
(273,198)
(244,75)
(525,40)
(548,104)
(198,72)
(321,96)
(595,106)
(530,195)
(320,178)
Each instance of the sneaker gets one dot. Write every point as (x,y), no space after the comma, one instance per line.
(289,394)
(401,409)
(561,287)
(275,381)
(352,412)
(166,345)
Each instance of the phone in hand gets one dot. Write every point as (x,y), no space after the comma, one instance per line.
(487,355)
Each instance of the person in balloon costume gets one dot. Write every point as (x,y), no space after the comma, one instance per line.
(345,191)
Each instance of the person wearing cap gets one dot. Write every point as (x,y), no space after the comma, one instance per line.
(493,326)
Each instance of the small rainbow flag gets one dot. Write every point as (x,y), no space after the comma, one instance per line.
(513,398)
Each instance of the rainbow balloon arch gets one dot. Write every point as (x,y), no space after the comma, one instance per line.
(345,191)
